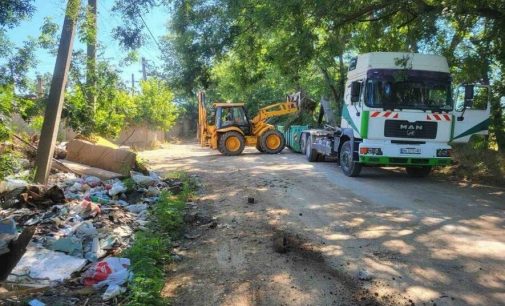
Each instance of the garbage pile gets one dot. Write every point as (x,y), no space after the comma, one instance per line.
(81,225)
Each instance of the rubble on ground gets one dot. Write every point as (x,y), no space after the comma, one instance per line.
(81,225)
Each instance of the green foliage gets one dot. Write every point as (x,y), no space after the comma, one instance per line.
(6,98)
(129,184)
(475,161)
(114,106)
(48,35)
(150,251)
(169,212)
(9,164)
(155,106)
(14,11)
(258,51)
(148,254)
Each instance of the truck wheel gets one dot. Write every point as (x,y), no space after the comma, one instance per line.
(311,153)
(303,143)
(349,166)
(418,171)
(272,142)
(231,143)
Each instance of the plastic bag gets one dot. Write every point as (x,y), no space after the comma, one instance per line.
(92,181)
(87,209)
(86,229)
(143,180)
(117,188)
(11,184)
(110,271)
(137,208)
(112,291)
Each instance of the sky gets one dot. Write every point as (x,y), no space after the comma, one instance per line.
(156,21)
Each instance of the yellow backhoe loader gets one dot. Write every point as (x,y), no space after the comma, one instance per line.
(230,130)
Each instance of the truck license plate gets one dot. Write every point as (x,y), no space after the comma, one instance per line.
(410,151)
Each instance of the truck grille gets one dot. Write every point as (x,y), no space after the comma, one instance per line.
(405,129)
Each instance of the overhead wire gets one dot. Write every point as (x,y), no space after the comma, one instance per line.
(151,33)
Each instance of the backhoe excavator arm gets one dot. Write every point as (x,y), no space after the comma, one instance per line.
(275,110)
(202,119)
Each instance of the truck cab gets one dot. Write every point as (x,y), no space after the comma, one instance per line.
(400,110)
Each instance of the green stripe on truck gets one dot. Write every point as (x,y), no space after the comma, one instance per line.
(364,124)
(403,161)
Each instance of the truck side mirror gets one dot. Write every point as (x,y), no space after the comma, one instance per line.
(355,91)
(469,94)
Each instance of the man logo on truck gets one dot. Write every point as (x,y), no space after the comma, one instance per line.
(411,128)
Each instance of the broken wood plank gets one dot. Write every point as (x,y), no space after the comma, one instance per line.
(17,249)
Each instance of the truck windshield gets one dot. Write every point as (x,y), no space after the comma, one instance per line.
(409,94)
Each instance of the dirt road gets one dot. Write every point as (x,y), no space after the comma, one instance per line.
(382,238)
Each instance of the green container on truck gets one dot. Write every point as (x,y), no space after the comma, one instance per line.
(292,135)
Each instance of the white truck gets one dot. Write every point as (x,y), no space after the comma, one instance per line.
(400,109)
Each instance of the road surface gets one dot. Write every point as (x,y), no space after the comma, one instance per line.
(382,238)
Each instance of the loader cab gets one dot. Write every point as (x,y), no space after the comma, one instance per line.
(232,114)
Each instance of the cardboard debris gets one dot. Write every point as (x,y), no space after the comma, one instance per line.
(82,169)
(99,156)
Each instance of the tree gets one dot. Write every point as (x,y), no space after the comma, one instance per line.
(155,105)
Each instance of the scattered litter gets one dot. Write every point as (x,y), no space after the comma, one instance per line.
(87,209)
(92,181)
(36,302)
(117,188)
(86,229)
(7,234)
(364,275)
(77,221)
(96,251)
(112,272)
(10,184)
(137,208)
(143,180)
(8,226)
(192,236)
(112,291)
(123,231)
(40,263)
(69,245)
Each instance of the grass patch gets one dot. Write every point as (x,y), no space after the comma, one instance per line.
(150,252)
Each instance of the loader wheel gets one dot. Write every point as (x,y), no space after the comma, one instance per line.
(349,166)
(418,171)
(310,153)
(231,143)
(272,142)
(258,147)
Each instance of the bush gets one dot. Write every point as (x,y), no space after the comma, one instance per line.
(9,164)
(155,106)
(475,161)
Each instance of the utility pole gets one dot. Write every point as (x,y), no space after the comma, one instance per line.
(91,33)
(54,106)
(40,87)
(133,84)
(144,72)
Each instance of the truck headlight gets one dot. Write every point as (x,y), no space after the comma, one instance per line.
(444,152)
